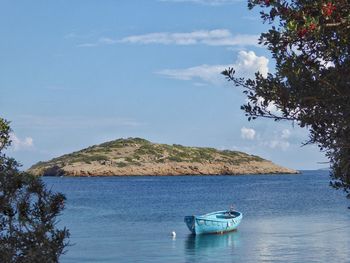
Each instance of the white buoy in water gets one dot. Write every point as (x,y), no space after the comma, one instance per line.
(173,234)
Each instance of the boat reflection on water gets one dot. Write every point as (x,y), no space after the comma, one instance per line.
(197,244)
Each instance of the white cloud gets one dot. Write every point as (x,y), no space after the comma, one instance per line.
(21,144)
(246,65)
(285,134)
(271,107)
(280,140)
(204,2)
(248,133)
(281,144)
(207,73)
(216,37)
(107,41)
(88,45)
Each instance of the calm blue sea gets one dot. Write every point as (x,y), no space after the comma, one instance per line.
(287,218)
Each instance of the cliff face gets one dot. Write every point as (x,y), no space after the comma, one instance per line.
(135,156)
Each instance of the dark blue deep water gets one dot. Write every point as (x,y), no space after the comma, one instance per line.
(287,218)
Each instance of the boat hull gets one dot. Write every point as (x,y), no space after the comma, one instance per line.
(217,222)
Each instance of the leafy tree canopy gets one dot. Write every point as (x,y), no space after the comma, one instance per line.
(28,213)
(310,42)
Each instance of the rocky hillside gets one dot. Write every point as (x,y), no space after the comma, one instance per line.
(136,156)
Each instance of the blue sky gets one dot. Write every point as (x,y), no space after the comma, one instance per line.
(78,73)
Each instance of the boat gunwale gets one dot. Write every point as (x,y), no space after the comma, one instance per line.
(204,217)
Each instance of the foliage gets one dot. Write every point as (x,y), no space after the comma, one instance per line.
(28,213)
(121,164)
(119,143)
(310,41)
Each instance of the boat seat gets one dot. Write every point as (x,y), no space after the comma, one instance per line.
(225,216)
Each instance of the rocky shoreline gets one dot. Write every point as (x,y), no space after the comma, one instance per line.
(170,169)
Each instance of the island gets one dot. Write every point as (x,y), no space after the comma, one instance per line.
(137,156)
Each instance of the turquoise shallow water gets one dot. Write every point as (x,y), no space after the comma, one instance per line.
(287,218)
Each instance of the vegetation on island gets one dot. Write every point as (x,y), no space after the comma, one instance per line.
(28,213)
(310,42)
(137,152)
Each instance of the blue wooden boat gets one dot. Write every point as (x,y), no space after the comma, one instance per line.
(215,222)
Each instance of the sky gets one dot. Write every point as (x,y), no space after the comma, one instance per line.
(79,73)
